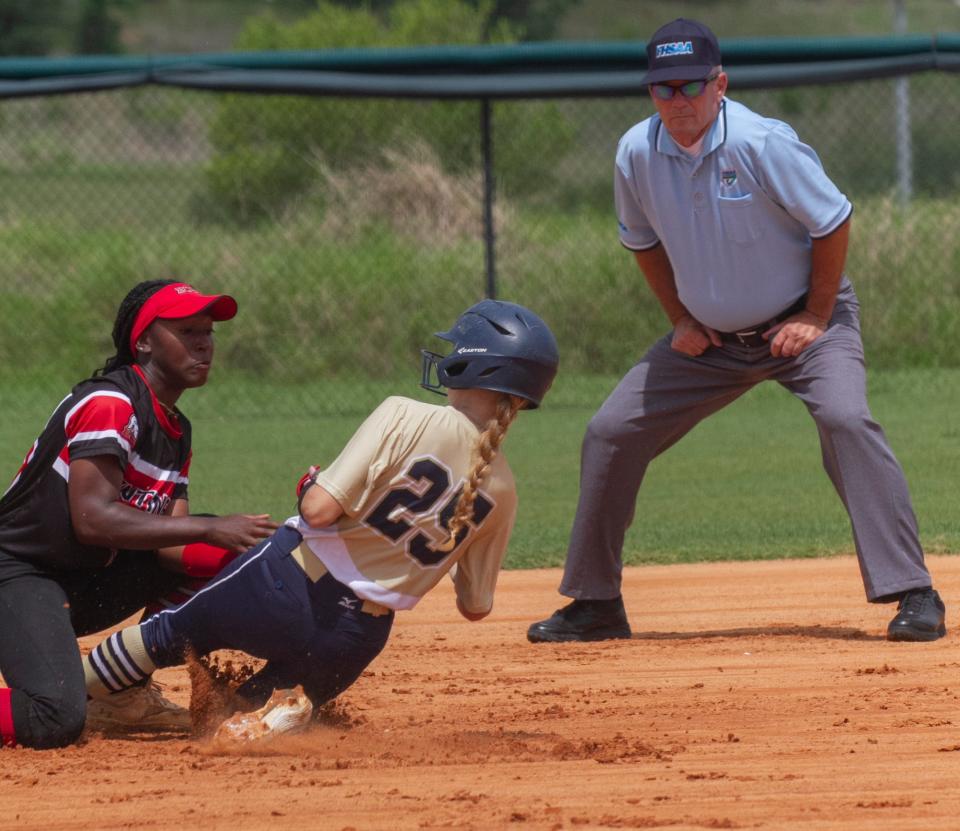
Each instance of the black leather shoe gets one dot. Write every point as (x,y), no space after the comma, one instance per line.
(583,620)
(919,617)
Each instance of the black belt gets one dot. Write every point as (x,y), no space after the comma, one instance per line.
(754,335)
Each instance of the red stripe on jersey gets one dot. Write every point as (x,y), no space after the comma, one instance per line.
(140,479)
(8,736)
(30,452)
(146,493)
(26,461)
(102,412)
(107,417)
(151,501)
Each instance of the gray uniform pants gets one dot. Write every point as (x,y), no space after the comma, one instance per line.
(667,394)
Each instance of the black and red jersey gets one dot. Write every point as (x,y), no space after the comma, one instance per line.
(118,415)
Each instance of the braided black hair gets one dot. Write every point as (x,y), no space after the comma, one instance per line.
(123,325)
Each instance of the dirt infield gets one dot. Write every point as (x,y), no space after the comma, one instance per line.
(753,695)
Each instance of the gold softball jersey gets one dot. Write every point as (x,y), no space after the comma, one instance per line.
(398,480)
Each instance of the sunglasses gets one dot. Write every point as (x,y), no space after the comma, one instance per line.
(691,89)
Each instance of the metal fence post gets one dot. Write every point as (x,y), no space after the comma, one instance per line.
(902,97)
(489,237)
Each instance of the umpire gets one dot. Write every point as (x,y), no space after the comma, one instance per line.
(742,237)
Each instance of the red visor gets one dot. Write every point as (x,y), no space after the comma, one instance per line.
(180,300)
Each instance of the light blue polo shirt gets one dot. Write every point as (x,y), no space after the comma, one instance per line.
(736,221)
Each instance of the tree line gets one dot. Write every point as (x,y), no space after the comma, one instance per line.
(95,27)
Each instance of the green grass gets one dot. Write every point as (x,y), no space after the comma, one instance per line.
(360,302)
(746,484)
(97,193)
(64,196)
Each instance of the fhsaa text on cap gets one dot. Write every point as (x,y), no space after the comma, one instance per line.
(682,50)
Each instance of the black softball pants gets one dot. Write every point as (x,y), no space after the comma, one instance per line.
(264,603)
(41,615)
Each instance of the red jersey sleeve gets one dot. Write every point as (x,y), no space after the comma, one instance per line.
(102,424)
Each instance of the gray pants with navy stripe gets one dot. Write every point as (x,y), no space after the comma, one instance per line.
(668,393)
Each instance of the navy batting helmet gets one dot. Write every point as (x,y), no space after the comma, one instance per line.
(497,346)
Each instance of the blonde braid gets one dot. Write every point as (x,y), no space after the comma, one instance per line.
(488,442)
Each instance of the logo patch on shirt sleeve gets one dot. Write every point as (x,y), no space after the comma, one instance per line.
(131,429)
(728,178)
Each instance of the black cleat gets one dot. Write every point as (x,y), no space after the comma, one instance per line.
(919,617)
(583,620)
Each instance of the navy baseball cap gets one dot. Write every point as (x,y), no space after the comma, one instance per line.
(682,50)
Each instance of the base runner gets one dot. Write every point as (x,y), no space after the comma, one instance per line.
(419,491)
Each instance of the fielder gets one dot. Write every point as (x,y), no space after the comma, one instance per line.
(96,523)
(419,491)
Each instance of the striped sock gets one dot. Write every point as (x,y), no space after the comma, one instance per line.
(8,736)
(117,663)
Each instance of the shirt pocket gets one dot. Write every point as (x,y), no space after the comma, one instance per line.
(739,218)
